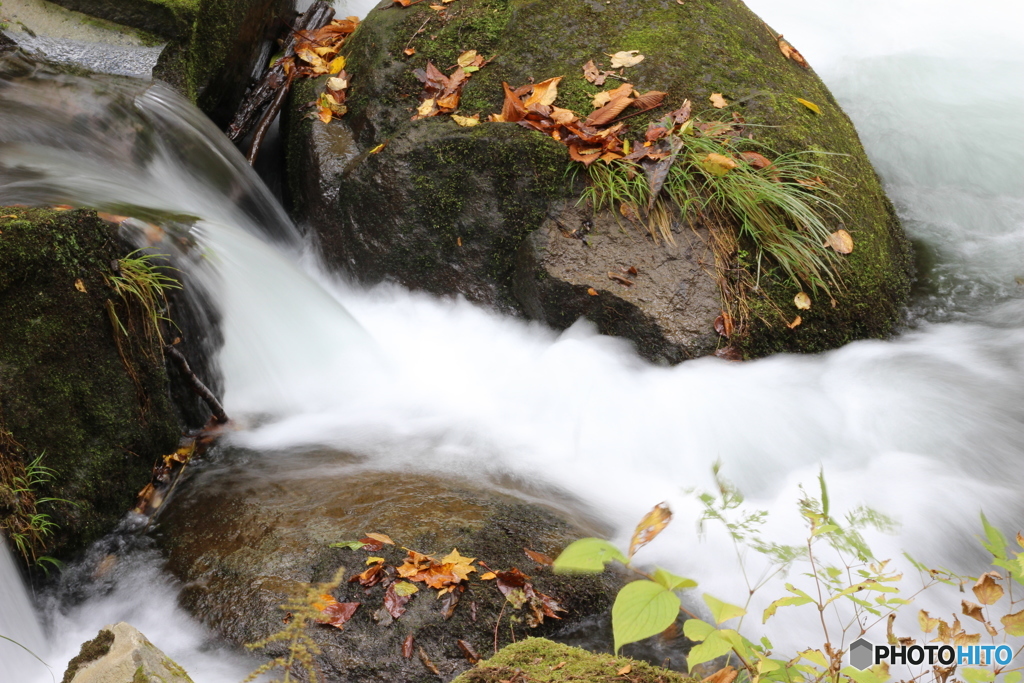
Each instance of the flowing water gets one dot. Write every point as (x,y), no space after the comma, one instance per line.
(927,427)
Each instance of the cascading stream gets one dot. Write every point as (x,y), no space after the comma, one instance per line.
(928,427)
(18,622)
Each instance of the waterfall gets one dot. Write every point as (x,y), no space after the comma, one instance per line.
(19,660)
(927,428)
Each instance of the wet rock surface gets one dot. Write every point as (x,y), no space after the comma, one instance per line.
(245,533)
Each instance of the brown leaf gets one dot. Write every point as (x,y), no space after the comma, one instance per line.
(725,675)
(653,523)
(558,666)
(409,52)
(468,652)
(620,279)
(717,101)
(681,115)
(544,92)
(427,663)
(448,603)
(791,52)
(395,603)
(802,301)
(973,610)
(371,545)
(466,121)
(729,353)
(539,558)
(381,538)
(841,241)
(338,613)
(723,324)
(371,577)
(655,131)
(987,590)
(407,647)
(756,161)
(79,285)
(624,670)
(650,100)
(1014,623)
(593,74)
(512,110)
(563,117)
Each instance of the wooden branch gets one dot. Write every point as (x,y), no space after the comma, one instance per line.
(197,386)
(264,125)
(265,93)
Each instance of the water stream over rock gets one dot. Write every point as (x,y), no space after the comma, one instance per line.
(927,427)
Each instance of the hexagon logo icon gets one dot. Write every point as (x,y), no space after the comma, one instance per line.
(861,652)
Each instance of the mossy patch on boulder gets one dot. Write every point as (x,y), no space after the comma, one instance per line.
(98,416)
(543,661)
(691,50)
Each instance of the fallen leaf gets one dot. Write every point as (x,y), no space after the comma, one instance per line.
(335,83)
(468,652)
(723,324)
(840,241)
(409,52)
(448,603)
(563,117)
(378,148)
(609,112)
(407,647)
(620,279)
(488,576)
(427,108)
(717,164)
(756,161)
(810,105)
(427,663)
(336,65)
(337,613)
(437,8)
(650,100)
(725,675)
(591,291)
(791,52)
(539,558)
(558,666)
(796,323)
(543,93)
(466,121)
(594,75)
(802,301)
(653,523)
(395,603)
(717,101)
(602,98)
(624,670)
(466,58)
(79,285)
(626,59)
(729,353)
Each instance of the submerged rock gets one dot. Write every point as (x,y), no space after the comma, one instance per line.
(121,654)
(243,536)
(484,211)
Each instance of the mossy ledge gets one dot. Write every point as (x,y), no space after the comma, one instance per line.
(543,661)
(692,50)
(65,391)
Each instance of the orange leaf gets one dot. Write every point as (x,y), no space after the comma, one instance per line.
(841,241)
(653,523)
(609,112)
(649,100)
(544,92)
(791,52)
(512,110)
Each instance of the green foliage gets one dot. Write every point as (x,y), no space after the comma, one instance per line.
(301,609)
(587,556)
(140,279)
(642,609)
(27,528)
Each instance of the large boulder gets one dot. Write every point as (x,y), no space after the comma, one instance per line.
(121,654)
(89,402)
(485,211)
(246,534)
(215,48)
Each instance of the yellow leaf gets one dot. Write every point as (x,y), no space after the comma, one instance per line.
(488,576)
(79,285)
(467,121)
(987,590)
(544,92)
(653,523)
(404,588)
(626,58)
(335,83)
(602,98)
(437,8)
(624,670)
(1014,623)
(466,58)
(802,301)
(378,148)
(810,105)
(455,558)
(718,164)
(325,114)
(374,560)
(428,107)
(717,101)
(841,241)
(381,538)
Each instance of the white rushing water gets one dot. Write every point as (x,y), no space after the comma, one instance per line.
(927,427)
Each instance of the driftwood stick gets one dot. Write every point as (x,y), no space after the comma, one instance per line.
(264,125)
(197,386)
(264,93)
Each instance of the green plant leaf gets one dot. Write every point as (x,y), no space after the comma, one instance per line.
(994,540)
(714,646)
(793,601)
(866,676)
(671,581)
(972,675)
(587,556)
(1012,677)
(697,629)
(815,657)
(351,545)
(642,609)
(1013,624)
(723,611)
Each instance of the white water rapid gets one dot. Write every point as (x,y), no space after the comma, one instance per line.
(927,427)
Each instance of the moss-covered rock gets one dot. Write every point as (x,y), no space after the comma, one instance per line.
(213,45)
(245,535)
(445,209)
(543,661)
(97,414)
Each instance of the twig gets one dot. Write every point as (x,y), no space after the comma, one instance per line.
(498,623)
(418,31)
(197,386)
(268,118)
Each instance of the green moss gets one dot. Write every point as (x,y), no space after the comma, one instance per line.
(65,390)
(91,651)
(543,661)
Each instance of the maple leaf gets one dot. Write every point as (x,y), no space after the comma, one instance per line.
(458,565)
(594,75)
